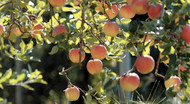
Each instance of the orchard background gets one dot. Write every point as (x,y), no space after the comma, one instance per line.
(94,52)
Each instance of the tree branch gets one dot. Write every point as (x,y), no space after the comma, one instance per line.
(6,3)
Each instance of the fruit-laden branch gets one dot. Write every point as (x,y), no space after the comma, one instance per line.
(6,3)
(105,11)
(70,68)
(158,61)
(131,70)
(81,36)
(67,78)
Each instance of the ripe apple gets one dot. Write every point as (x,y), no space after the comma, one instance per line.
(111,29)
(16,31)
(59,29)
(112,13)
(140,6)
(58,3)
(173,81)
(72,93)
(145,64)
(94,66)
(129,2)
(98,52)
(154,11)
(37,29)
(2,29)
(127,12)
(74,55)
(77,2)
(130,81)
(185,34)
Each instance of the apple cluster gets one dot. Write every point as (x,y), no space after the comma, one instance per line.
(94,66)
(144,64)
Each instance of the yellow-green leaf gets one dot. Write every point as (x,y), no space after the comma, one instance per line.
(54,50)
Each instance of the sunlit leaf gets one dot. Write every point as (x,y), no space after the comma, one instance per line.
(54,50)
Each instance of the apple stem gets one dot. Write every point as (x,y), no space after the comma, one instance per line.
(133,67)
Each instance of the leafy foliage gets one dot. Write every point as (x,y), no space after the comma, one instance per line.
(84,26)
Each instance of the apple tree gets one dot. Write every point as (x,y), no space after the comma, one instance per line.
(104,29)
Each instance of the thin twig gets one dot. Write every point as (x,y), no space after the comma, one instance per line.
(162,10)
(157,66)
(81,35)
(6,3)
(105,12)
(67,78)
(120,2)
(70,68)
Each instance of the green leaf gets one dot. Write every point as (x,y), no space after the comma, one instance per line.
(125,21)
(6,76)
(1,86)
(150,26)
(23,47)
(28,87)
(21,77)
(34,74)
(54,50)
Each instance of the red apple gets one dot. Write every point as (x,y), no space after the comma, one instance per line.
(185,34)
(112,13)
(94,66)
(130,81)
(111,29)
(58,3)
(74,55)
(59,29)
(173,81)
(145,64)
(98,52)
(72,93)
(127,12)
(140,6)
(154,11)
(2,29)
(129,2)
